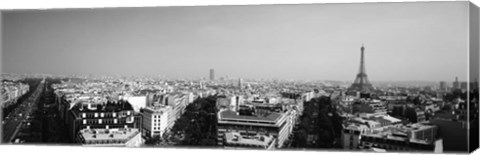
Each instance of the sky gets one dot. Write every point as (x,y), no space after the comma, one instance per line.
(403,41)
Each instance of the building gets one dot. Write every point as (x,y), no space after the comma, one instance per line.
(110,115)
(155,120)
(456,84)
(212,75)
(249,121)
(240,83)
(351,135)
(443,86)
(364,123)
(414,114)
(413,137)
(110,137)
(463,85)
(10,92)
(369,107)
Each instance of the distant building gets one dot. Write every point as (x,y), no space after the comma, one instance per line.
(229,102)
(463,85)
(456,84)
(443,86)
(370,107)
(212,75)
(240,83)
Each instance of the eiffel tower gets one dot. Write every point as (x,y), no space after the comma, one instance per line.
(361,82)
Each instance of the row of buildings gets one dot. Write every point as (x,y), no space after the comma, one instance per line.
(415,120)
(12,91)
(100,112)
(104,113)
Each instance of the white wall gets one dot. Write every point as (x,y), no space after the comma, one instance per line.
(137,102)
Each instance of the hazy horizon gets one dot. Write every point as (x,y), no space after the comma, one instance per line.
(426,41)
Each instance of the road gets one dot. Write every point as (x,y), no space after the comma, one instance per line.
(16,118)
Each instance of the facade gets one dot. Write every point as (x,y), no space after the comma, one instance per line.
(10,92)
(176,102)
(111,115)
(260,123)
(155,120)
(351,136)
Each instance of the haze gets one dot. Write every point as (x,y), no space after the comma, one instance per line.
(403,41)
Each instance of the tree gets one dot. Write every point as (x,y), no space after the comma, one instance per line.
(321,120)
(198,125)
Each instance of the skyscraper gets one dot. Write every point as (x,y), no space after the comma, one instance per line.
(240,83)
(212,75)
(443,85)
(456,84)
(361,82)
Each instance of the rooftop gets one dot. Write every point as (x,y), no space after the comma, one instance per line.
(257,140)
(108,134)
(228,114)
(106,107)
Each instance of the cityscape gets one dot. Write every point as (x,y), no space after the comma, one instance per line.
(73,99)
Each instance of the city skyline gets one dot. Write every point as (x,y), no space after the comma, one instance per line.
(301,42)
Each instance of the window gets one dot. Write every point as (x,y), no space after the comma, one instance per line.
(96,115)
(102,114)
(84,115)
(99,121)
(84,121)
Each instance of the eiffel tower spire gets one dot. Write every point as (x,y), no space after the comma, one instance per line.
(361,82)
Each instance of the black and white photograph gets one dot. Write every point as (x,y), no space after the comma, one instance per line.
(382,77)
